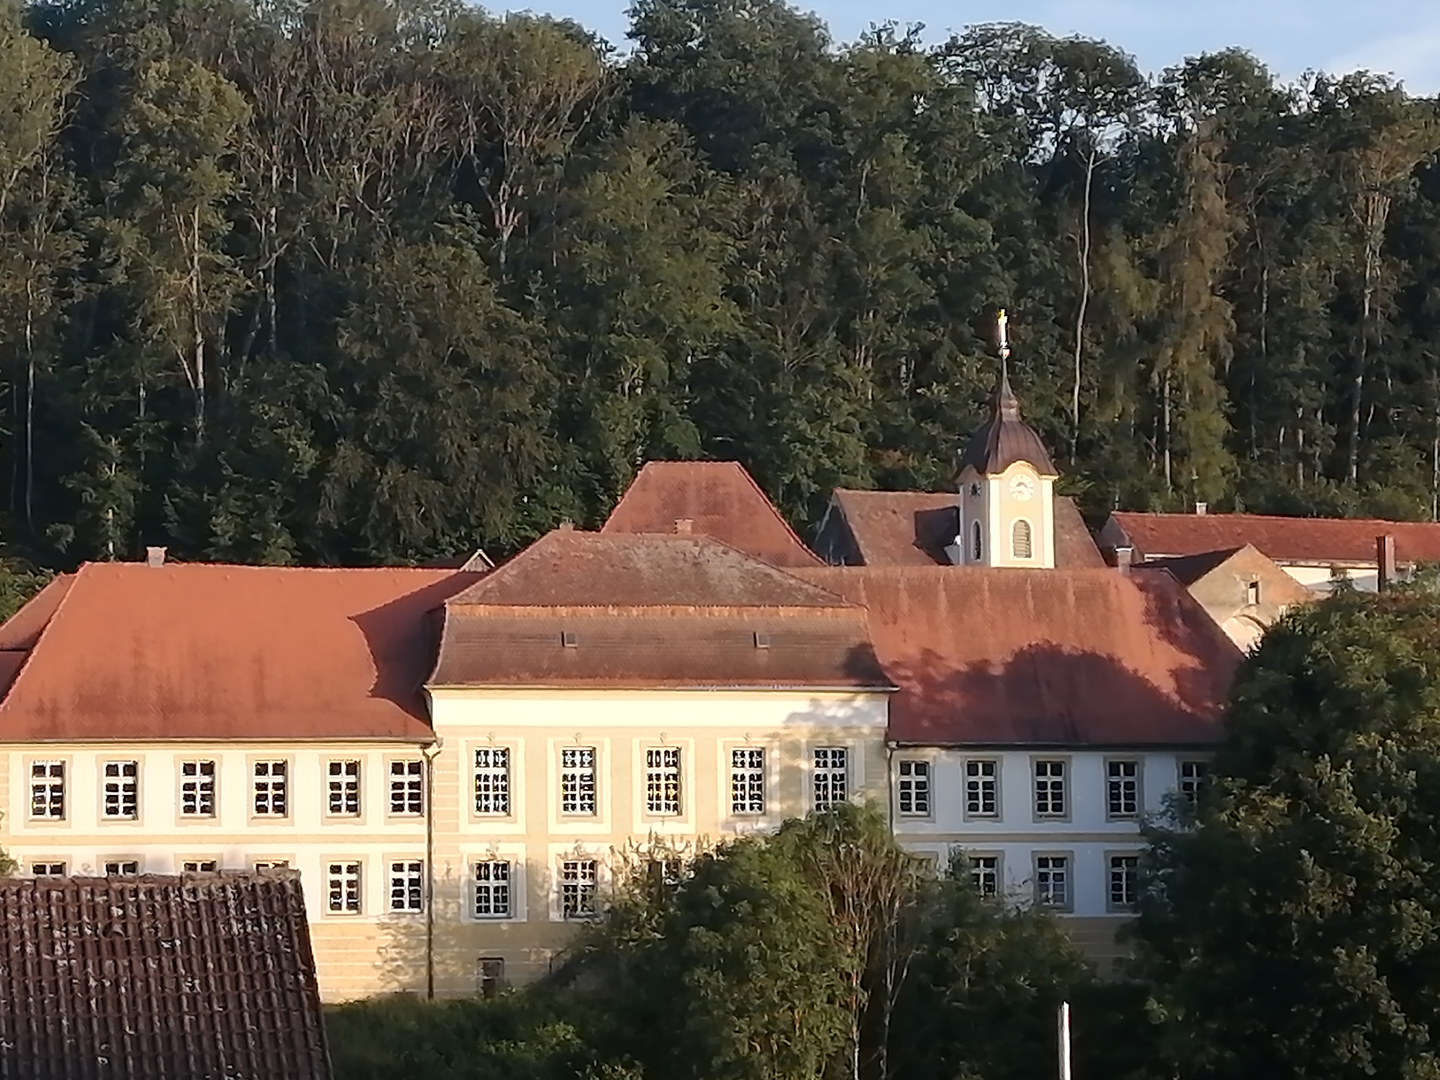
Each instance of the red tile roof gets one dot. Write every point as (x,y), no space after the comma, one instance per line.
(571,568)
(1322,541)
(912,528)
(238,652)
(719,499)
(1059,657)
(154,978)
(650,611)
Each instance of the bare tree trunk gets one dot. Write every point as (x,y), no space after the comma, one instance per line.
(1165,410)
(197,329)
(1377,210)
(1084,255)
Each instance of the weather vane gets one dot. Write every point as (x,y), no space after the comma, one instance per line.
(1001,337)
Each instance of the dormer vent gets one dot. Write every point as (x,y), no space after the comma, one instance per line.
(569,639)
(762,639)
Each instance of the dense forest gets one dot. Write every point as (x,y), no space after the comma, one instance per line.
(360,281)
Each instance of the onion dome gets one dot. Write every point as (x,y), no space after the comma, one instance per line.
(1005,439)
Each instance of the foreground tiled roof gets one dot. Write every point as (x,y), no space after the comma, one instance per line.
(156,978)
(719,499)
(650,611)
(215,652)
(912,528)
(1049,657)
(1285,539)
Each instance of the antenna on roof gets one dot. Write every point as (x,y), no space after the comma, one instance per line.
(1002,341)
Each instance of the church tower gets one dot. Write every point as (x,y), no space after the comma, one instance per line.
(1006,482)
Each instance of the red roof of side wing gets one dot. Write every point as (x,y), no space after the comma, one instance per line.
(212,651)
(1042,657)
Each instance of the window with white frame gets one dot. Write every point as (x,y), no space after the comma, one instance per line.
(342,786)
(120,791)
(407,787)
(914,787)
(47,869)
(342,888)
(407,885)
(122,868)
(747,780)
(1050,801)
(492,780)
(47,789)
(271,864)
(1122,789)
(493,899)
(830,779)
(1124,881)
(982,788)
(662,780)
(985,874)
(577,780)
(577,889)
(1194,772)
(200,866)
(197,788)
(271,788)
(1052,881)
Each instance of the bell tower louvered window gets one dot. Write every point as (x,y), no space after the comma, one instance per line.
(1021,543)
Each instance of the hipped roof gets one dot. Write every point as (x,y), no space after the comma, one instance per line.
(580,609)
(1050,657)
(225,652)
(719,499)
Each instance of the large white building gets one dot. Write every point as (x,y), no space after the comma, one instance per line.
(457,760)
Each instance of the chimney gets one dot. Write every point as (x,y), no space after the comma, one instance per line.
(1123,557)
(566,526)
(1384,562)
(154,556)
(1201,508)
(684,526)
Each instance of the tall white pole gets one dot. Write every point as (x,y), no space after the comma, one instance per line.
(1064,1040)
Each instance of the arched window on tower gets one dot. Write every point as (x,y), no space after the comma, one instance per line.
(1020,543)
(975,550)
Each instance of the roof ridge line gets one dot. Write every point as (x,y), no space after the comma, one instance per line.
(775,510)
(40,637)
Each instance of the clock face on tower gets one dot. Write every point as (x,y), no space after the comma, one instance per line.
(1021,488)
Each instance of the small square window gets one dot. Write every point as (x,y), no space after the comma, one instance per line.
(1124,881)
(120,791)
(122,868)
(407,787)
(271,788)
(200,866)
(1052,881)
(985,874)
(831,776)
(914,787)
(1122,789)
(197,789)
(578,890)
(343,788)
(747,781)
(577,780)
(342,888)
(47,869)
(1050,798)
(493,899)
(982,788)
(490,975)
(407,885)
(662,781)
(492,780)
(47,790)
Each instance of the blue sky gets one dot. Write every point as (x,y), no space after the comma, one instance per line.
(1399,37)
